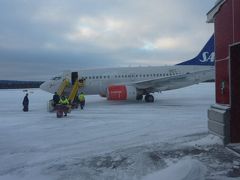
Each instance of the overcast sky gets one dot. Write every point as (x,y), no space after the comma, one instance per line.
(40,38)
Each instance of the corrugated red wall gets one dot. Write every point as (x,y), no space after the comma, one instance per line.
(227,31)
(236,23)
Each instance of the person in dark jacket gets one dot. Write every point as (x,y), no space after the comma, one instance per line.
(25,103)
(56,99)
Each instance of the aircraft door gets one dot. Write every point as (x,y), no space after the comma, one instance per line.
(74,77)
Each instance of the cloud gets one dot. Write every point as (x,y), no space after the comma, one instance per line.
(164,43)
(104,33)
(171,43)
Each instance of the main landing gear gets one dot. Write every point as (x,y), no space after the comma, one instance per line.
(139,97)
(148,98)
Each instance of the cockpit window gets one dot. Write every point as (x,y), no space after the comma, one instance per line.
(56,78)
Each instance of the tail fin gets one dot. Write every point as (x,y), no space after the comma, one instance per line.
(205,57)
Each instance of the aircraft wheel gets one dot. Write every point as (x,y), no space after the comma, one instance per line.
(149,98)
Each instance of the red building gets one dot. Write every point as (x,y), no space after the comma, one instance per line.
(226,18)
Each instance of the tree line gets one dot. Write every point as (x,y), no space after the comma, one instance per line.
(9,84)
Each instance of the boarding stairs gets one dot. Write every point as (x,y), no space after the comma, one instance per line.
(64,88)
(76,86)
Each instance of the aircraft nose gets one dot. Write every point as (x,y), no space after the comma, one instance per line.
(44,86)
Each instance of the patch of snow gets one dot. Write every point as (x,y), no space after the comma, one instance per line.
(108,139)
(185,169)
(205,141)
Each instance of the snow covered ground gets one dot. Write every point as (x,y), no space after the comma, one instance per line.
(167,139)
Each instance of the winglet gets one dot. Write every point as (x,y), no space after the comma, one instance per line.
(206,57)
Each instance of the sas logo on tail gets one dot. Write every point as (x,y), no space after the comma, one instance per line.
(206,57)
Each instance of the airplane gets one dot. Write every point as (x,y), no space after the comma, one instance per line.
(138,83)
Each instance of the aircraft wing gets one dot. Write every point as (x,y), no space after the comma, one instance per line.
(164,83)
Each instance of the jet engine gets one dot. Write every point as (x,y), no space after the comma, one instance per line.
(121,92)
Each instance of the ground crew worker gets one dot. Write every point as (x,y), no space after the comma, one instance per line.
(64,101)
(56,99)
(25,103)
(81,98)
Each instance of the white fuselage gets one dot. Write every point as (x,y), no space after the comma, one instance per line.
(98,80)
